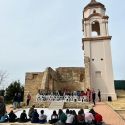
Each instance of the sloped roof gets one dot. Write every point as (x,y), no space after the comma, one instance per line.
(93,4)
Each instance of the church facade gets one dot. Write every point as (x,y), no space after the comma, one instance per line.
(98,72)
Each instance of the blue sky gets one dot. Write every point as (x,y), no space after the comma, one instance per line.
(35,34)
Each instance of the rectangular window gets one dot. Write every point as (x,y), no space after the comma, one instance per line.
(98,74)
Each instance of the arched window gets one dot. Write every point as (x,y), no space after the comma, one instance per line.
(94,11)
(95,28)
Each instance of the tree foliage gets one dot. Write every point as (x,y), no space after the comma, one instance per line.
(2,91)
(14,87)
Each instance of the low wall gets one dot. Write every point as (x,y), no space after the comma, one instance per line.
(77,105)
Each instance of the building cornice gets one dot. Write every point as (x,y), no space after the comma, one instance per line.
(96,38)
(96,14)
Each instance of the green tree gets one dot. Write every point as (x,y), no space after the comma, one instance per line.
(14,87)
(2,91)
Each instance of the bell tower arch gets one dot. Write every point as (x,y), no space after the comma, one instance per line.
(97,49)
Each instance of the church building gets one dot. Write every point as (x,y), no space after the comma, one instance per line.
(98,71)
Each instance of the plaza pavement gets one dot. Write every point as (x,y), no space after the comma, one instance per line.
(110,117)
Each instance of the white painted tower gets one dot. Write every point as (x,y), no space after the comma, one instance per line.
(97,49)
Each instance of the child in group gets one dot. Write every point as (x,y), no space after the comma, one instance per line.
(12,116)
(97,116)
(80,118)
(35,117)
(54,117)
(4,118)
(31,110)
(42,117)
(23,117)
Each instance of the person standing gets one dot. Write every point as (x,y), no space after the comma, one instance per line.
(28,99)
(18,100)
(93,96)
(99,95)
(88,94)
(15,101)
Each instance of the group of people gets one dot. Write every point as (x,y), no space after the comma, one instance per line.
(70,117)
(17,100)
(12,117)
(91,95)
(88,95)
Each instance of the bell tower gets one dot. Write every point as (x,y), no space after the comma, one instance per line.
(97,50)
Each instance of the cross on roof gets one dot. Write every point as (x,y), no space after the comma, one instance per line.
(92,1)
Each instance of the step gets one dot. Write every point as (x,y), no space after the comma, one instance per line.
(56,105)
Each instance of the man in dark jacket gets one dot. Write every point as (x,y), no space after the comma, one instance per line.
(12,116)
(99,95)
(15,101)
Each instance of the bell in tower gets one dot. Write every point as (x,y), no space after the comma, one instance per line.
(97,50)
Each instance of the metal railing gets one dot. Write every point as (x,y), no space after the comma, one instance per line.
(66,98)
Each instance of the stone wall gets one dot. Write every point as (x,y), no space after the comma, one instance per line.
(74,74)
(70,78)
(32,84)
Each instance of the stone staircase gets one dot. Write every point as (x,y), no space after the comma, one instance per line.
(56,105)
(120,93)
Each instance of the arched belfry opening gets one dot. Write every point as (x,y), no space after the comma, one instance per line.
(95,28)
(94,11)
